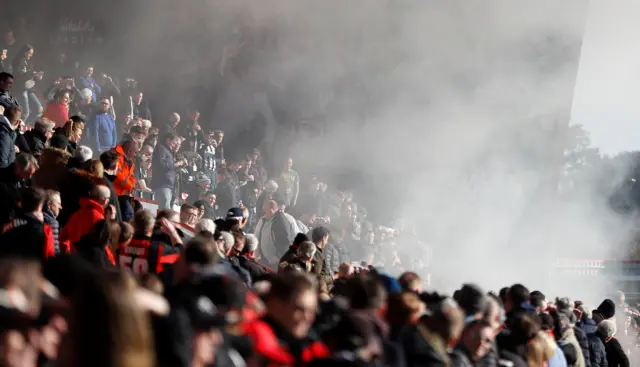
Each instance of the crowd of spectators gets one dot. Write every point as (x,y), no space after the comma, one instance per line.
(132,240)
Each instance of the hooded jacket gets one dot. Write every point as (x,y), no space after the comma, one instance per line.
(81,222)
(164,168)
(7,143)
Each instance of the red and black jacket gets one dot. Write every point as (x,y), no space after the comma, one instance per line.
(143,255)
(27,236)
(276,347)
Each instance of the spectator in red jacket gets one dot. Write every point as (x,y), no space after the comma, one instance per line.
(27,235)
(58,110)
(82,221)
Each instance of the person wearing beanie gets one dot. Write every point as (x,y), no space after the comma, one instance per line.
(605,311)
(472,300)
(290,255)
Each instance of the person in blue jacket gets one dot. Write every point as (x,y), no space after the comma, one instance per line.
(87,81)
(101,128)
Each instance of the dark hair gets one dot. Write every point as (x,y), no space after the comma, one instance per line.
(407,279)
(536,298)
(59,141)
(365,292)
(318,234)
(518,294)
(109,159)
(4,76)
(135,129)
(32,198)
(186,207)
(198,252)
(170,137)
(503,294)
(77,119)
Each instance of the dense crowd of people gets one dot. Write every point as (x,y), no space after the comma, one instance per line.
(239,265)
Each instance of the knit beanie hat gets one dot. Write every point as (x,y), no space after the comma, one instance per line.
(607,309)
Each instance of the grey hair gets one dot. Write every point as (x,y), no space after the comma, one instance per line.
(586,310)
(250,243)
(306,249)
(44,125)
(26,161)
(205,225)
(607,328)
(83,153)
(271,186)
(564,303)
(227,239)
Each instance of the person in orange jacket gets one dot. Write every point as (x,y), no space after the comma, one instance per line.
(125,180)
(92,210)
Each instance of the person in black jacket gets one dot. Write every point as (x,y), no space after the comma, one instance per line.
(8,125)
(37,137)
(164,169)
(247,261)
(95,246)
(13,180)
(616,357)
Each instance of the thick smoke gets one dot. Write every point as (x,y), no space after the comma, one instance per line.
(455,112)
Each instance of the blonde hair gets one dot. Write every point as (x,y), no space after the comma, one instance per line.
(540,349)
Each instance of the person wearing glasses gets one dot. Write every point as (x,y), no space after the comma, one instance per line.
(101,129)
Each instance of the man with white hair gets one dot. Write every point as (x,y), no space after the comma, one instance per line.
(83,154)
(304,257)
(616,356)
(247,258)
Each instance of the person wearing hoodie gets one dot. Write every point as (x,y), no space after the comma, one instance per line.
(101,129)
(50,212)
(10,122)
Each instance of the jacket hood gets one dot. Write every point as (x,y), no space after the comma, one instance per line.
(87,203)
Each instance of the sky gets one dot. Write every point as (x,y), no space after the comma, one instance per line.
(608,84)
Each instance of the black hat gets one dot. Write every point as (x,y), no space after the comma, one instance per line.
(300,238)
(607,309)
(471,299)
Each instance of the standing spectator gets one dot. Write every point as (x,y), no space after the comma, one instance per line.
(289,184)
(58,110)
(616,357)
(5,67)
(320,237)
(22,68)
(27,235)
(91,211)
(73,131)
(142,168)
(109,162)
(125,180)
(172,126)
(192,132)
(87,81)
(102,128)
(208,154)
(52,207)
(164,170)
(37,137)
(141,107)
(6,99)
(273,235)
(8,125)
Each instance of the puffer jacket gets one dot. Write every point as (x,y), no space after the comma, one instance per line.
(51,220)
(597,353)
(569,336)
(332,258)
(581,336)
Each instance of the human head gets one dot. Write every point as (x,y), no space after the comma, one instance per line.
(88,71)
(109,161)
(607,329)
(477,337)
(53,201)
(73,130)
(13,114)
(250,244)
(345,270)
(225,242)
(292,302)
(138,134)
(143,223)
(210,197)
(32,200)
(138,98)
(174,119)
(270,208)
(189,215)
(3,53)
(538,300)
(173,142)
(320,236)
(105,104)
(45,126)
(101,194)
(27,51)
(63,97)
(288,164)
(306,251)
(219,136)
(410,281)
(26,165)
(87,95)
(472,300)
(130,148)
(205,225)
(271,186)
(6,82)
(83,153)
(517,295)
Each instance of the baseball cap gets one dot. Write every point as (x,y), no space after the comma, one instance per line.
(235,213)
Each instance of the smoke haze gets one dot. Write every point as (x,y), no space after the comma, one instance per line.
(454,112)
